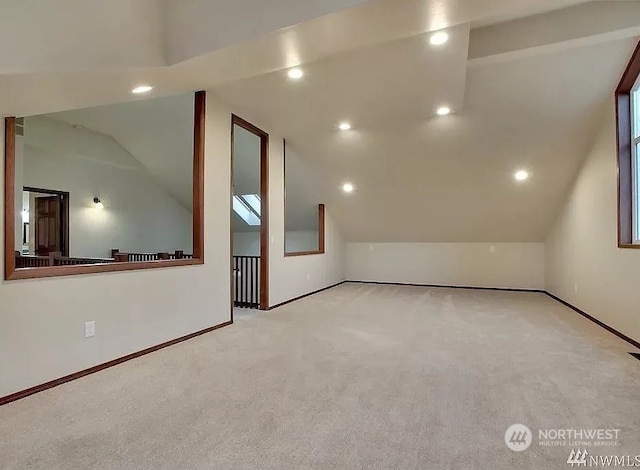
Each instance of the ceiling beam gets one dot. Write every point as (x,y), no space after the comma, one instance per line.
(53,35)
(558,30)
(196,27)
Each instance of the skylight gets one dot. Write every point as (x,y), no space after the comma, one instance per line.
(254,201)
(247,206)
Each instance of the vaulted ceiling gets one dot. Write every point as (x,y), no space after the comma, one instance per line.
(529,82)
(158,133)
(69,54)
(526,94)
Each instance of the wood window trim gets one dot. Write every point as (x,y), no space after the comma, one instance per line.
(264,207)
(624,152)
(65,213)
(321,218)
(10,271)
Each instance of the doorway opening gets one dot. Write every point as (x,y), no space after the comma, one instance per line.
(249,216)
(45,222)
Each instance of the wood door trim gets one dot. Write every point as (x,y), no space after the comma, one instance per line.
(199,136)
(65,213)
(232,273)
(264,205)
(9,196)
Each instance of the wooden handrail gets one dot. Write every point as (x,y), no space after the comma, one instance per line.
(163,255)
(54,259)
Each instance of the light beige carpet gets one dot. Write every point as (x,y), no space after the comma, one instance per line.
(359,376)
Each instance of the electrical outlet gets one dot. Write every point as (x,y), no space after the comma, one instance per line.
(89,329)
(308,276)
(575,286)
(492,249)
(370,247)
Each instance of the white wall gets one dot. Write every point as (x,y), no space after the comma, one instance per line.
(139,215)
(42,320)
(584,266)
(248,243)
(301,240)
(294,276)
(510,265)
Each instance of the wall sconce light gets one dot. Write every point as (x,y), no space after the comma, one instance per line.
(98,203)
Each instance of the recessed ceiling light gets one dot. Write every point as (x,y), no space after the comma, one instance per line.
(521,175)
(439,38)
(142,89)
(443,110)
(347,188)
(295,73)
(344,126)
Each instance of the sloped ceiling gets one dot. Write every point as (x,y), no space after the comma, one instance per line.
(157,132)
(526,93)
(79,35)
(68,54)
(422,178)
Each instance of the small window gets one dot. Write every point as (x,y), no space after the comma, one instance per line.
(254,201)
(247,206)
(635,155)
(628,125)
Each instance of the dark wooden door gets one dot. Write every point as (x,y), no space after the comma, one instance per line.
(48,225)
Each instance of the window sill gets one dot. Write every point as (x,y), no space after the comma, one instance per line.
(629,245)
(304,253)
(55,271)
